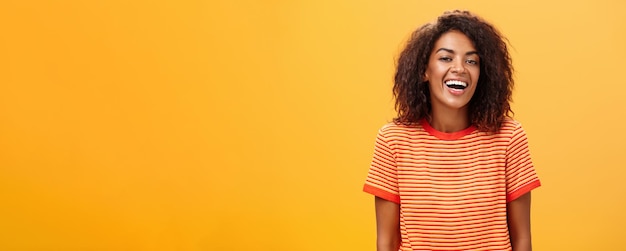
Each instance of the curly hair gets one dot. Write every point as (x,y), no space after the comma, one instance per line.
(490,104)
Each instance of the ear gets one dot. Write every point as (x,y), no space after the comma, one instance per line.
(426,77)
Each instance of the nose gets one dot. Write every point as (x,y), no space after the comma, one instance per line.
(457,67)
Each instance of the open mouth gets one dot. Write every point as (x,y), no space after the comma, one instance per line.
(456,84)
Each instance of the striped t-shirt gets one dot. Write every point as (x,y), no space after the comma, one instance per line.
(452,187)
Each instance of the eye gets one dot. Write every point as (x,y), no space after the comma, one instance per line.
(445,59)
(472,61)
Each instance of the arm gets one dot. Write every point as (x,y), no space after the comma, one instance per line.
(387,225)
(518,216)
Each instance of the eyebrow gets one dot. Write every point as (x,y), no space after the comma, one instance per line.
(452,51)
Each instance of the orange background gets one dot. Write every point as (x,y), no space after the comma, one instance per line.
(241,125)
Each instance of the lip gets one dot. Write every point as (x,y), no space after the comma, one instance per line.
(455,92)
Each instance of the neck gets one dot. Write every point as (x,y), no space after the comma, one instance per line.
(449,120)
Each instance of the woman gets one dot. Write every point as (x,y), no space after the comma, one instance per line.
(453,171)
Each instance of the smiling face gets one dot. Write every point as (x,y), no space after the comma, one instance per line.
(452,72)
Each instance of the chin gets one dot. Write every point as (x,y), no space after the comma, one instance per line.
(457,105)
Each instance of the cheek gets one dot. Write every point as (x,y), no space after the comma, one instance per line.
(436,72)
(476,75)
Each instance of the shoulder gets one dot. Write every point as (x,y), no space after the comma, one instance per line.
(511,123)
(510,126)
(513,131)
(394,134)
(392,128)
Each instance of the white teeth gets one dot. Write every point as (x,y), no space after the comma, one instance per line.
(456,82)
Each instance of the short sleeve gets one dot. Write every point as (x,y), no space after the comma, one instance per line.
(382,177)
(521,177)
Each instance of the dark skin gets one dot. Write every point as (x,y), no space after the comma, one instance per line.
(518,217)
(388,224)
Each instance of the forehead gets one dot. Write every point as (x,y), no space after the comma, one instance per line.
(456,41)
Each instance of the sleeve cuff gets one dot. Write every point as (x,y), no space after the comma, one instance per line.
(522,190)
(381,193)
